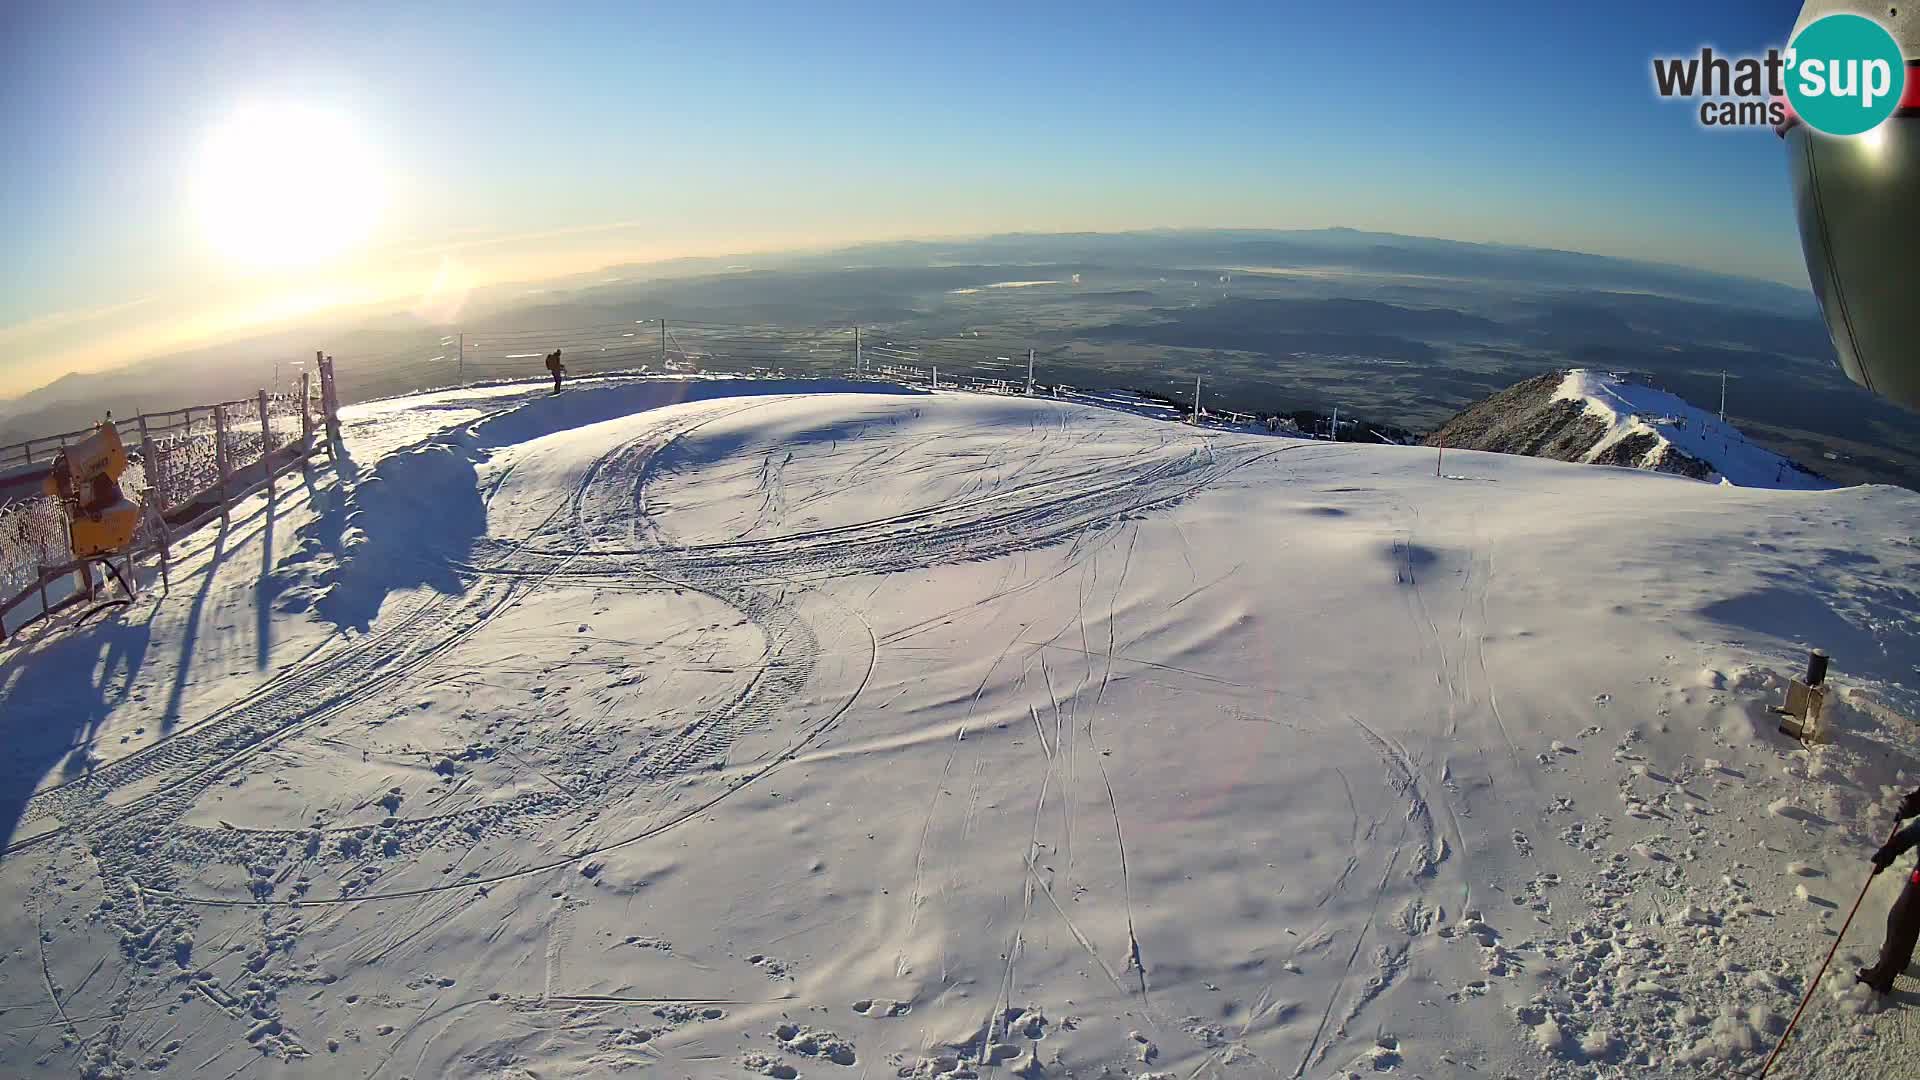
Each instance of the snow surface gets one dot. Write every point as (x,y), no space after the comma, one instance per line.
(722,728)
(1629,409)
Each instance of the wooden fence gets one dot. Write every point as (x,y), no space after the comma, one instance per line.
(185,468)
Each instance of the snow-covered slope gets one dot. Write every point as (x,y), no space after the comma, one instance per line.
(1600,419)
(723,729)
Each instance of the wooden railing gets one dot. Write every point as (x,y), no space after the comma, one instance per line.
(185,467)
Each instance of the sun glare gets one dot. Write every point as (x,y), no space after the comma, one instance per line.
(286,186)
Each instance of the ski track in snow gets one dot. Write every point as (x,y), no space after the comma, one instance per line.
(684,625)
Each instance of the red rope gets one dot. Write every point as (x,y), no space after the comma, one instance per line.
(1815,985)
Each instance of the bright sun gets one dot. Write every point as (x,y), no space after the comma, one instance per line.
(286,186)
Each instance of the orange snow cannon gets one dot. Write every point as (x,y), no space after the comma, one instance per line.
(86,480)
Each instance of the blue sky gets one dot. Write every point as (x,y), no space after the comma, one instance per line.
(515,135)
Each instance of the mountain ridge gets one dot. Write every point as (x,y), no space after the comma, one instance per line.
(1600,418)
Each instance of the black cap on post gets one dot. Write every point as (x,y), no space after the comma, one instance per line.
(1816,667)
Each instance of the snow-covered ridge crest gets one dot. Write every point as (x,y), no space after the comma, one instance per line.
(1685,438)
(1597,418)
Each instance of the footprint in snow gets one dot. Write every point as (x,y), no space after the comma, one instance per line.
(1147,1050)
(812,1042)
(1476,988)
(773,966)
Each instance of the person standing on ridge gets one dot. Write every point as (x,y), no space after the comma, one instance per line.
(554,365)
(1903,921)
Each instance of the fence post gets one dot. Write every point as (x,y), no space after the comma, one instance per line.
(220,455)
(462,359)
(164,543)
(156,490)
(266,443)
(859,365)
(936,376)
(663,344)
(306,415)
(1029,372)
(325,376)
(329,396)
(151,459)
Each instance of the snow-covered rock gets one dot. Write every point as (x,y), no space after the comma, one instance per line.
(1603,419)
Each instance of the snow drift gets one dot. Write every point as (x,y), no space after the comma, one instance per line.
(728,729)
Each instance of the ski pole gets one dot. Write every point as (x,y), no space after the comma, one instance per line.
(1815,985)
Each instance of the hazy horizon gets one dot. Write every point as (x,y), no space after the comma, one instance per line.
(433,307)
(181,177)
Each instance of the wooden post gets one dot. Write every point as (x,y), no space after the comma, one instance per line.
(1029,372)
(326,377)
(859,366)
(151,459)
(663,344)
(42,568)
(266,443)
(329,396)
(165,542)
(306,415)
(462,360)
(220,455)
(156,493)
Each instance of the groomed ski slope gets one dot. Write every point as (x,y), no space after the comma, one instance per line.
(721,728)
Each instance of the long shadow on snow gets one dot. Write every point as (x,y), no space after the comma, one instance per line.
(1854,629)
(224,546)
(54,695)
(419,512)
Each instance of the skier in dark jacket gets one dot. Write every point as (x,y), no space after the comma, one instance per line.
(1903,922)
(554,365)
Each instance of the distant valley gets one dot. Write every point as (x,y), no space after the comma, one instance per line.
(1403,331)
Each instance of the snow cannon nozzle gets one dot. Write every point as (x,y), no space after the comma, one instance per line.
(1816,667)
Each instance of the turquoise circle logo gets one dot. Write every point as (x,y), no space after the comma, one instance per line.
(1845,74)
